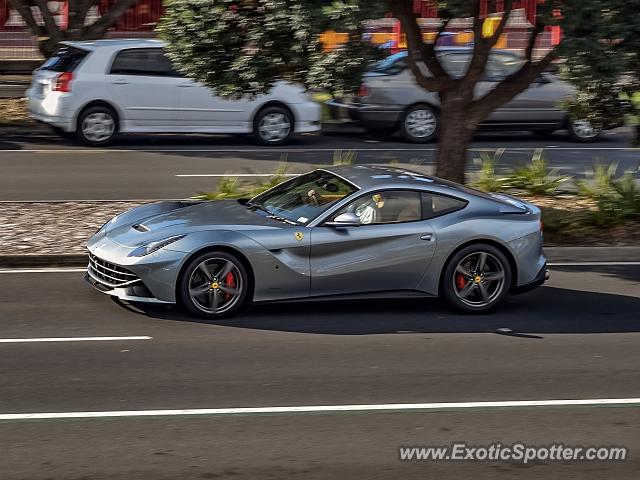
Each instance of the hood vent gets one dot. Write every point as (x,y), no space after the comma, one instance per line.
(141,228)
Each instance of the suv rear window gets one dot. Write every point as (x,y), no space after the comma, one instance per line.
(143,61)
(65,60)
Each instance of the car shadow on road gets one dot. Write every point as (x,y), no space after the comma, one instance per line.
(548,310)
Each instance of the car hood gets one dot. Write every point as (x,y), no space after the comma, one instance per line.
(154,222)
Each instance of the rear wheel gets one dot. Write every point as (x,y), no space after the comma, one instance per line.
(214,285)
(420,124)
(97,126)
(476,279)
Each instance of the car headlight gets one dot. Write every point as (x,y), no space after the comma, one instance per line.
(149,248)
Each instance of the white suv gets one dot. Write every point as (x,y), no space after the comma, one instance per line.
(96,89)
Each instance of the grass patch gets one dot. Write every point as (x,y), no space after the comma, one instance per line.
(13,113)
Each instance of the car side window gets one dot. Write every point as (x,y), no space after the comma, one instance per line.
(143,61)
(434,205)
(386,206)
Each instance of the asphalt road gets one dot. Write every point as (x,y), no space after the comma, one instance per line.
(43,167)
(578,337)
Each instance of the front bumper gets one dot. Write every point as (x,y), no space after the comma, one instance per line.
(133,293)
(150,279)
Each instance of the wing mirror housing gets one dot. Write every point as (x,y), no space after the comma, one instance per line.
(345,220)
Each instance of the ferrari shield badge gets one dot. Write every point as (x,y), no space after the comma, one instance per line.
(299,236)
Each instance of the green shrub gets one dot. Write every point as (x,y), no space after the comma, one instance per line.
(599,182)
(536,178)
(486,178)
(341,157)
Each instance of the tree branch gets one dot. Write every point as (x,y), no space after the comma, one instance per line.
(24,9)
(511,86)
(53,31)
(482,46)
(98,28)
(417,50)
(528,53)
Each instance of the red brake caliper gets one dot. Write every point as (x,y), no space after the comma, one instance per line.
(461,281)
(230,281)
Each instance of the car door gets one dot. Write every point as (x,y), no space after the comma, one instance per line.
(145,88)
(539,103)
(390,250)
(200,109)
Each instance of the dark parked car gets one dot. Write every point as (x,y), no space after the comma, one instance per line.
(391,100)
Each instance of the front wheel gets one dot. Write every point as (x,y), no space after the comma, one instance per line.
(583,131)
(214,285)
(273,125)
(420,124)
(476,279)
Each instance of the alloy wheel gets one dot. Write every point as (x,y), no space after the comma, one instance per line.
(215,285)
(584,129)
(98,127)
(274,127)
(478,279)
(420,123)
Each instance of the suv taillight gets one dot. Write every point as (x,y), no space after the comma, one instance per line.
(63,82)
(364,91)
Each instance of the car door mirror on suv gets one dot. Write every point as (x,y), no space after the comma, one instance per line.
(345,220)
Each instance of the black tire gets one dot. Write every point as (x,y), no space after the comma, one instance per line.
(496,290)
(103,135)
(577,135)
(61,133)
(420,124)
(197,305)
(280,116)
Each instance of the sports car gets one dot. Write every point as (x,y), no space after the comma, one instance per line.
(339,231)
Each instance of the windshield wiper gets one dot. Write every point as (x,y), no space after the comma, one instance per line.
(270,214)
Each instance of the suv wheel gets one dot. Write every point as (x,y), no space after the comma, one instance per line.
(583,131)
(214,285)
(420,124)
(476,279)
(273,125)
(97,126)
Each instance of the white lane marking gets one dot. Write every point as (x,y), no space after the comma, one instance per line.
(44,270)
(240,175)
(389,407)
(300,150)
(589,264)
(74,339)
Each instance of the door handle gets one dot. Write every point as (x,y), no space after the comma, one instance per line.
(120,82)
(186,85)
(426,236)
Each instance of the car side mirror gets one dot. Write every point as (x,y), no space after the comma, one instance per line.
(345,220)
(542,80)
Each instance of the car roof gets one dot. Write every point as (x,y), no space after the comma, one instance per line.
(381,176)
(115,43)
(453,49)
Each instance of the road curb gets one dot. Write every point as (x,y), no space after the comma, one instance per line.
(554,255)
(611,253)
(39,261)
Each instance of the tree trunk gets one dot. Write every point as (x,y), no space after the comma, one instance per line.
(456,131)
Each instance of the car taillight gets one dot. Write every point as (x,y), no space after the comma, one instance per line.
(63,82)
(364,91)
(541,226)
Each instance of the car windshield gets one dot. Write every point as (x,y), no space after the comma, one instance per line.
(303,198)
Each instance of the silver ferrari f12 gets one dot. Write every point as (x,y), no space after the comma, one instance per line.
(339,231)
